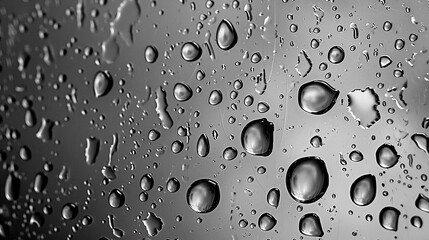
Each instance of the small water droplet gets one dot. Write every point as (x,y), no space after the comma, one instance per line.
(146,182)
(151,54)
(173,185)
(182,92)
(257,137)
(273,197)
(103,83)
(203,195)
(191,51)
(336,55)
(69,211)
(215,97)
(116,198)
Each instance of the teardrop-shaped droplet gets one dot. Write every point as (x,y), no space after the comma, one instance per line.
(422,141)
(316,141)
(173,185)
(417,222)
(307,179)
(116,198)
(30,118)
(336,55)
(226,36)
(150,54)
(389,217)
(310,225)
(203,195)
(317,97)
(146,182)
(230,153)
(273,197)
(356,156)
(422,203)
(387,156)
(191,51)
(384,61)
(203,145)
(182,92)
(257,137)
(25,153)
(263,107)
(69,211)
(40,182)
(91,150)
(12,187)
(153,224)
(363,190)
(266,222)
(103,83)
(215,97)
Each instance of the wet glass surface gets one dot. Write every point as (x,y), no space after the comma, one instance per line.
(212,119)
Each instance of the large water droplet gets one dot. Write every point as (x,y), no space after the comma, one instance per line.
(362,105)
(389,217)
(317,97)
(226,36)
(69,211)
(307,179)
(215,97)
(116,198)
(203,145)
(399,44)
(336,55)
(103,83)
(182,92)
(257,137)
(191,51)
(266,222)
(12,187)
(203,195)
(310,225)
(273,197)
(150,54)
(422,141)
(363,190)
(153,224)
(386,156)
(146,182)
(417,222)
(92,149)
(422,203)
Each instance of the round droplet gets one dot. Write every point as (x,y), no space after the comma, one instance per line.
(243,223)
(387,156)
(336,55)
(399,44)
(316,141)
(273,197)
(215,97)
(150,54)
(417,222)
(293,28)
(153,135)
(173,185)
(314,43)
(182,92)
(356,156)
(310,225)
(203,145)
(307,179)
(256,57)
(146,182)
(69,211)
(203,195)
(257,137)
(387,26)
(40,182)
(177,146)
(191,51)
(317,97)
(103,83)
(389,217)
(266,222)
(116,198)
(263,107)
(226,36)
(363,190)
(248,100)
(230,153)
(384,61)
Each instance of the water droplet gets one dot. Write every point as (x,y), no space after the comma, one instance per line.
(310,225)
(116,198)
(399,44)
(215,97)
(387,156)
(384,61)
(40,182)
(203,145)
(153,224)
(417,222)
(422,203)
(151,54)
(257,137)
(92,149)
(387,26)
(230,153)
(161,109)
(316,141)
(363,190)
(256,57)
(273,197)
(362,105)
(314,43)
(12,187)
(263,107)
(37,219)
(336,55)
(103,83)
(146,182)
(307,179)
(69,211)
(203,195)
(226,36)
(191,51)
(182,92)
(304,64)
(266,222)
(389,217)
(153,135)
(173,185)
(422,141)
(30,118)
(25,153)
(45,130)
(356,156)
(317,97)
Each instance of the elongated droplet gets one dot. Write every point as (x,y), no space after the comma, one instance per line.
(273,197)
(203,195)
(257,137)
(40,182)
(191,51)
(45,130)
(91,150)
(203,145)
(266,222)
(110,50)
(161,108)
(384,61)
(215,97)
(304,64)
(103,83)
(307,179)
(317,97)
(173,185)
(310,225)
(150,54)
(226,36)
(25,153)
(389,217)
(69,211)
(417,222)
(12,187)
(153,224)
(182,92)
(363,190)
(336,55)
(387,156)
(422,141)
(422,203)
(116,198)
(146,182)
(30,118)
